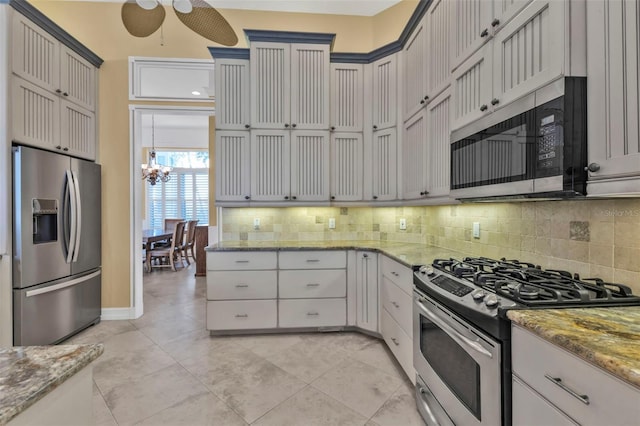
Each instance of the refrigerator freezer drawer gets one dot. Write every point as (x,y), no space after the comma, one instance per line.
(45,315)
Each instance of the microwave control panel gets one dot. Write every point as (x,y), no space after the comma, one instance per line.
(550,143)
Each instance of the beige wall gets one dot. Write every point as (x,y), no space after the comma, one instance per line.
(599,238)
(99,27)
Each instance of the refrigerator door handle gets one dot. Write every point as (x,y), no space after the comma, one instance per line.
(76,246)
(66,284)
(72,213)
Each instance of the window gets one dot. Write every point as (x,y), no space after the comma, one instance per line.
(186,195)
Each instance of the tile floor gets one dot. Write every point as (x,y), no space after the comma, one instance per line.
(165,369)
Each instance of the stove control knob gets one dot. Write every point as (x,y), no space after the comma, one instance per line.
(491,301)
(427,270)
(478,295)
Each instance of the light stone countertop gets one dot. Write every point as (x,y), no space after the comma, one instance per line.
(409,254)
(29,373)
(606,337)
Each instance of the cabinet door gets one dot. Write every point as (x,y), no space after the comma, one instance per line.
(439,151)
(36,54)
(384,167)
(347,97)
(36,115)
(367,291)
(504,11)
(528,52)
(530,409)
(415,71)
(77,130)
(77,79)
(232,94)
(612,66)
(310,165)
(347,158)
(414,153)
(470,29)
(233,165)
(310,86)
(271,80)
(472,88)
(384,93)
(270,165)
(438,47)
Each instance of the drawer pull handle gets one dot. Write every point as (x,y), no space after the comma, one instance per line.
(395,304)
(242,316)
(558,381)
(394,340)
(395,273)
(313,285)
(242,261)
(242,285)
(312,314)
(313,260)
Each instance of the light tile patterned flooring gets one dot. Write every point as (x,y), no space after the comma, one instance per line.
(165,369)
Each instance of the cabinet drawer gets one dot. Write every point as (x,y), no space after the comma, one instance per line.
(398,273)
(241,260)
(241,314)
(400,344)
(398,304)
(530,409)
(537,361)
(313,312)
(313,283)
(313,259)
(223,285)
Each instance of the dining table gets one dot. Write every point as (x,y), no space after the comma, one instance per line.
(150,236)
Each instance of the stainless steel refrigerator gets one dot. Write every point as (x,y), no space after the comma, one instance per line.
(56,246)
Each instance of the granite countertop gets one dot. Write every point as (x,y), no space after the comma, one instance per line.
(606,337)
(409,254)
(29,373)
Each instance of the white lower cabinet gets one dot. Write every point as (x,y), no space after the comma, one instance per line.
(306,284)
(399,342)
(241,314)
(367,290)
(313,312)
(530,409)
(583,392)
(225,285)
(398,304)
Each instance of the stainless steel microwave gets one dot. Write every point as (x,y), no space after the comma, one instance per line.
(533,148)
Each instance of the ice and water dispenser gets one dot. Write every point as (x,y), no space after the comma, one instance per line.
(45,220)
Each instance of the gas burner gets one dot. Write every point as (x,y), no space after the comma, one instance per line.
(522,290)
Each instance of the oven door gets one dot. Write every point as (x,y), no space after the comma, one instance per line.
(459,366)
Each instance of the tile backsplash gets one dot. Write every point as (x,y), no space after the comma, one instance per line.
(591,237)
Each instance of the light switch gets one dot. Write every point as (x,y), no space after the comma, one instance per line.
(256,223)
(332,223)
(476,229)
(403,224)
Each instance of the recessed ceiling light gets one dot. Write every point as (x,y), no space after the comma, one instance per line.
(196,93)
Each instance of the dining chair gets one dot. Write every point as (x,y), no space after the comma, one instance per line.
(168,256)
(170,223)
(189,241)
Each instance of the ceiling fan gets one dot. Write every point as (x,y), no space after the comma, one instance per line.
(142,18)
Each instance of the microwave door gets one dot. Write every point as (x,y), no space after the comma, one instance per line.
(40,250)
(87,245)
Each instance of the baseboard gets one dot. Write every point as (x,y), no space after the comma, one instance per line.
(109,314)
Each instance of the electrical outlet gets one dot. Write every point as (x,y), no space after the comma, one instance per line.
(403,224)
(332,223)
(256,223)
(476,229)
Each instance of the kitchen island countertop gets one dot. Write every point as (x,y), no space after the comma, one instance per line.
(606,337)
(409,254)
(29,373)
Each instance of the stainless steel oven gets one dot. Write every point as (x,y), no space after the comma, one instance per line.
(459,367)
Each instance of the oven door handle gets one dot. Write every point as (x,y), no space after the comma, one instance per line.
(462,340)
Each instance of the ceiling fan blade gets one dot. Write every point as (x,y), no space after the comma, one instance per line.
(141,22)
(208,22)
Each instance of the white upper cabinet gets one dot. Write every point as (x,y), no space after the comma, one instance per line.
(438,162)
(233,165)
(77,79)
(347,97)
(472,87)
(347,160)
(270,165)
(415,71)
(77,130)
(613,56)
(232,94)
(438,63)
(385,79)
(383,166)
(414,156)
(36,119)
(289,86)
(470,29)
(310,165)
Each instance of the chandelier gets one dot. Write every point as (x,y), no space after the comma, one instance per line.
(154,172)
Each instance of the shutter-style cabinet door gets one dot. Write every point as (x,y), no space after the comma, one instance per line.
(415,71)
(271,81)
(471,28)
(36,54)
(414,153)
(384,167)
(233,165)
(232,94)
(347,97)
(347,158)
(310,165)
(472,88)
(438,164)
(77,79)
(310,86)
(270,165)
(36,115)
(438,47)
(367,291)
(77,130)
(384,92)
